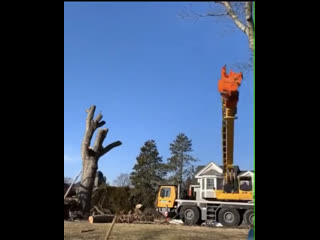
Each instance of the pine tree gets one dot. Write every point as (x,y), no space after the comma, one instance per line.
(180,161)
(147,174)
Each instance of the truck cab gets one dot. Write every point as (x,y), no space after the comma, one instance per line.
(166,197)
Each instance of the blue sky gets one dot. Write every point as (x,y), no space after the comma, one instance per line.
(152,75)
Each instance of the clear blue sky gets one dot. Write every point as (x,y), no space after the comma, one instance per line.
(152,75)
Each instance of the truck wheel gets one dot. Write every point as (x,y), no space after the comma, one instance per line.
(249,217)
(189,215)
(229,217)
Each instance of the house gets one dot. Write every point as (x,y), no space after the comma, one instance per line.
(210,178)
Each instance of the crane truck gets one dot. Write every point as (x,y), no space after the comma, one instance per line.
(232,204)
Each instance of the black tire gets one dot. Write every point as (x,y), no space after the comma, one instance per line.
(189,215)
(229,217)
(249,217)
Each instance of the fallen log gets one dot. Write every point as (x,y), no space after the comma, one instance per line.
(101,219)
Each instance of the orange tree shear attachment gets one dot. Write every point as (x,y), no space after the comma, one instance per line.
(228,87)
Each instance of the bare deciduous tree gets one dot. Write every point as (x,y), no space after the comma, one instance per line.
(123,180)
(91,155)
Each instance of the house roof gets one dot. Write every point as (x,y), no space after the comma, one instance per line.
(236,168)
(207,168)
(211,172)
(245,173)
(199,168)
(194,181)
(77,184)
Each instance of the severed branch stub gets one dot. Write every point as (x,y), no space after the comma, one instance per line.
(91,155)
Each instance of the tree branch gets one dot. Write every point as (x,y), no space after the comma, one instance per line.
(193,14)
(90,112)
(96,124)
(88,131)
(98,118)
(101,135)
(250,24)
(248,11)
(210,14)
(109,147)
(234,17)
(100,124)
(239,12)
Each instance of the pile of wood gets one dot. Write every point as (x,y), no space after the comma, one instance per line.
(99,215)
(135,217)
(71,208)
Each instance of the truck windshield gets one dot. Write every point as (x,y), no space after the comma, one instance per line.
(165,192)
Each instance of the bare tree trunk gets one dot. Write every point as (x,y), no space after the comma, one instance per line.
(89,172)
(90,157)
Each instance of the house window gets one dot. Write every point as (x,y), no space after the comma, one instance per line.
(202,183)
(219,183)
(245,186)
(210,183)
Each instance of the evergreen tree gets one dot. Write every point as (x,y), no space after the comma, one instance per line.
(147,174)
(180,161)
